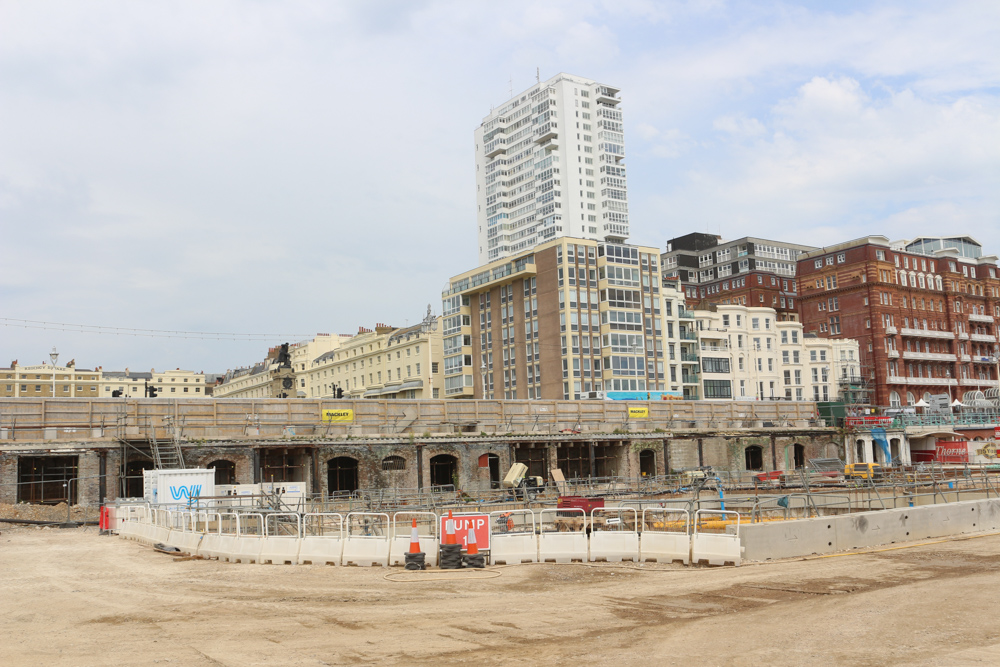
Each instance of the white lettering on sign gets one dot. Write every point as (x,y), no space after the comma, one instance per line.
(480,523)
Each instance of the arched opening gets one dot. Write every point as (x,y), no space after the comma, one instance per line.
(492,463)
(799,456)
(342,475)
(225,471)
(444,470)
(647,463)
(753,457)
(860,445)
(133,477)
(894,449)
(393,463)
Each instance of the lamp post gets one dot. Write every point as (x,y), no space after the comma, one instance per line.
(54,356)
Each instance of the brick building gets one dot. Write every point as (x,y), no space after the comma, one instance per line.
(924,312)
(568,319)
(750,272)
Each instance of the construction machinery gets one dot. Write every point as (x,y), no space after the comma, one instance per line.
(522,485)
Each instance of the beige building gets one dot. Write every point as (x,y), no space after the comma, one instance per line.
(570,319)
(175,383)
(386,362)
(38,381)
(747,354)
(278,376)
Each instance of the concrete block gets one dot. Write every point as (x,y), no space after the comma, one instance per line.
(787,539)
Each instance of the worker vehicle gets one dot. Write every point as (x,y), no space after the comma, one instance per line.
(862,471)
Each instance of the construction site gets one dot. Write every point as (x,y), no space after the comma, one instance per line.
(406,532)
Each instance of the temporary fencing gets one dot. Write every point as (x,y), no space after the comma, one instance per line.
(322,541)
(562,537)
(367,539)
(427,528)
(557,535)
(614,534)
(513,538)
(665,536)
(282,532)
(716,544)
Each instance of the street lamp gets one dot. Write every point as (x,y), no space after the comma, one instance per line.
(54,356)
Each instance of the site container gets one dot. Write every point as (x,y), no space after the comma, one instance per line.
(176,487)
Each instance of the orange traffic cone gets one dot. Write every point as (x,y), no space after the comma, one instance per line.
(449,528)
(471,548)
(414,539)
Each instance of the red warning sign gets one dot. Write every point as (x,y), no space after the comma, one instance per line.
(466,522)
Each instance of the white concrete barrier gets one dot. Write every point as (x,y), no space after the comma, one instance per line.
(322,539)
(513,538)
(562,537)
(716,548)
(249,538)
(665,536)
(427,533)
(281,542)
(614,534)
(367,539)
(787,539)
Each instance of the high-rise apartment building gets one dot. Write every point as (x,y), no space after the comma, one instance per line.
(924,311)
(566,320)
(751,272)
(549,164)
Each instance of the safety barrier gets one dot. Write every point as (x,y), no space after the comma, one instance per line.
(513,537)
(280,545)
(427,530)
(716,548)
(614,534)
(249,534)
(559,535)
(367,539)
(322,540)
(565,540)
(665,536)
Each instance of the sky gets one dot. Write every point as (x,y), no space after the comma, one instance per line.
(290,168)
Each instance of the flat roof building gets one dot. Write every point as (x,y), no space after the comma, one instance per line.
(549,164)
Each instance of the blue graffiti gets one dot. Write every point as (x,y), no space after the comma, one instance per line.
(179,492)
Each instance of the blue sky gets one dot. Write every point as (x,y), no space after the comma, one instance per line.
(303,167)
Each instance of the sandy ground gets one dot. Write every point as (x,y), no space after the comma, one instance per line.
(70,597)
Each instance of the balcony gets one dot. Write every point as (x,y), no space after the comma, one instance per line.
(891,330)
(928,356)
(688,335)
(963,336)
(927,333)
(964,357)
(686,315)
(544,133)
(714,348)
(495,147)
(893,354)
(979,359)
(685,357)
(689,379)
(896,379)
(975,382)
(984,338)
(941,382)
(976,317)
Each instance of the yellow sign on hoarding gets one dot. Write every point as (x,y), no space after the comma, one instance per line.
(638,413)
(338,415)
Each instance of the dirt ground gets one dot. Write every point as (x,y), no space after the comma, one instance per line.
(71,597)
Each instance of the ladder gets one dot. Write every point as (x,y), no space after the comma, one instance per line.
(167,454)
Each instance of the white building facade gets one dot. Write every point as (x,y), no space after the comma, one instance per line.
(549,163)
(747,354)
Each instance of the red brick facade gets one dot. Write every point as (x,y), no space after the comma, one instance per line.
(925,324)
